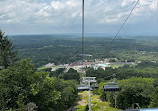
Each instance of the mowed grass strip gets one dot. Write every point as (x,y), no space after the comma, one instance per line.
(97,104)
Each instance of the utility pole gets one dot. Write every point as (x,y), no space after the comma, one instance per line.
(89,80)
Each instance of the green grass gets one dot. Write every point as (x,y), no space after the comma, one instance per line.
(97,104)
(115,66)
(43,67)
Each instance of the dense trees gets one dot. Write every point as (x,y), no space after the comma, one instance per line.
(24,89)
(135,92)
(7,53)
(100,74)
(70,75)
(154,95)
(154,98)
(125,72)
(43,49)
(15,81)
(137,89)
(57,72)
(22,85)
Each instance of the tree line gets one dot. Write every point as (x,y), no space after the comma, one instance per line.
(22,88)
(61,50)
(136,92)
(138,85)
(144,69)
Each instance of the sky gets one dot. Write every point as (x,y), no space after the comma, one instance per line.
(64,16)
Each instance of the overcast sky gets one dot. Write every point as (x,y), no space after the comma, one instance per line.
(64,16)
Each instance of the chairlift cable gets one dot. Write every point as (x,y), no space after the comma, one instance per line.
(124,22)
(112,39)
(82,36)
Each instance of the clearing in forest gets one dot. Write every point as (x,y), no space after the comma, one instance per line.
(97,104)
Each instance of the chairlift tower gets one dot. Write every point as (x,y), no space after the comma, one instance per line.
(89,80)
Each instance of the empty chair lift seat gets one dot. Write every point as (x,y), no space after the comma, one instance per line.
(111,88)
(95,87)
(83,88)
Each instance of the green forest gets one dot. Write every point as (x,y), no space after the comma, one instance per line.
(24,88)
(61,49)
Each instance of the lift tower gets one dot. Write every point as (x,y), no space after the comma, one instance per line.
(89,80)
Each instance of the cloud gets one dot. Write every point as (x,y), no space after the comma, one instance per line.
(102,11)
(60,11)
(18,11)
(154,5)
(67,13)
(144,9)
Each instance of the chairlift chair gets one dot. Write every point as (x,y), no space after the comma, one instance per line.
(95,86)
(83,87)
(84,84)
(111,86)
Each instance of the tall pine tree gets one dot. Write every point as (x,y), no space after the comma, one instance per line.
(7,54)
